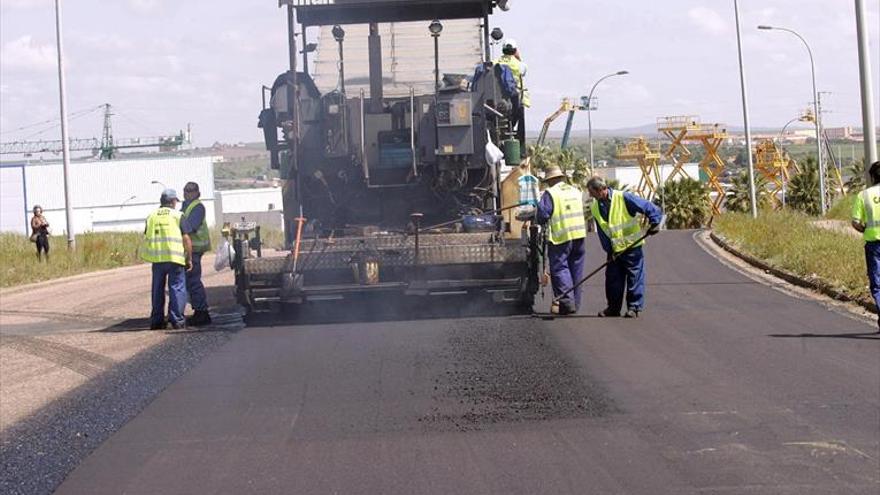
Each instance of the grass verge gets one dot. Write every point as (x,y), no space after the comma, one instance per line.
(842,209)
(788,241)
(95,251)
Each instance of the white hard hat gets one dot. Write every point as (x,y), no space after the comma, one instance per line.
(510,43)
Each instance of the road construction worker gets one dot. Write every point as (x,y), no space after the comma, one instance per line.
(169,249)
(562,209)
(619,227)
(511,58)
(866,219)
(194,223)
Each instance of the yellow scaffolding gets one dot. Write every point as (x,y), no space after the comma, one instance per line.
(676,128)
(682,130)
(640,150)
(773,166)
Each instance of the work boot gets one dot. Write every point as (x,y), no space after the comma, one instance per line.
(199,318)
(607,313)
(158,326)
(632,313)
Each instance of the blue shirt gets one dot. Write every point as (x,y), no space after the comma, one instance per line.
(545,208)
(191,224)
(634,205)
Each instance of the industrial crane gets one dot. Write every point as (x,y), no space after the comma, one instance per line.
(106,148)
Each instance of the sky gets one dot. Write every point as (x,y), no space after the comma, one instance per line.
(165,63)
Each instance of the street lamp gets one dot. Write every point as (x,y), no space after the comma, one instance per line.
(821,162)
(745,104)
(65,144)
(590,108)
(159,183)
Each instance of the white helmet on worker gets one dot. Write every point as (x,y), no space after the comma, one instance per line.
(510,44)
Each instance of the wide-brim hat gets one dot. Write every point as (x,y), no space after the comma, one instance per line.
(553,173)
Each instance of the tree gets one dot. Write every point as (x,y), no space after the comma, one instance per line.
(575,167)
(686,203)
(739,198)
(803,189)
(856,173)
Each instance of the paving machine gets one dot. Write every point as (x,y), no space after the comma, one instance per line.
(388,153)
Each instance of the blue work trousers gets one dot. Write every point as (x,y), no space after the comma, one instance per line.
(626,275)
(198,299)
(872,259)
(174,276)
(567,269)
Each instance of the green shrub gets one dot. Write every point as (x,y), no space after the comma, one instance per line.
(685,203)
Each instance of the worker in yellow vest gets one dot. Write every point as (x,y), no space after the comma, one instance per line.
(866,219)
(512,58)
(194,223)
(562,209)
(617,215)
(169,249)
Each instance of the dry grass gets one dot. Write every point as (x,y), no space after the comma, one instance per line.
(842,208)
(19,264)
(787,240)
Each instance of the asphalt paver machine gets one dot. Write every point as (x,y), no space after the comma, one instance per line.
(384,145)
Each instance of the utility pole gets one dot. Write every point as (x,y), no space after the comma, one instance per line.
(869,132)
(745,105)
(65,144)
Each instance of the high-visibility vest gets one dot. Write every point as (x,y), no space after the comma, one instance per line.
(567,222)
(163,241)
(201,238)
(870,203)
(516,67)
(621,228)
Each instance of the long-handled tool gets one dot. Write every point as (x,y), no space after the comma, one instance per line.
(600,268)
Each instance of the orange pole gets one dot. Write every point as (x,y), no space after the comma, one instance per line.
(299,228)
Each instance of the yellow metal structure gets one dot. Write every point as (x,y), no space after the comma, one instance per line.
(772,164)
(640,150)
(676,128)
(565,107)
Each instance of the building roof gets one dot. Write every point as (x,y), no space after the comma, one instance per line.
(329,12)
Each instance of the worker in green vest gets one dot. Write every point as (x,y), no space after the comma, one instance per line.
(562,209)
(195,224)
(866,219)
(512,58)
(169,249)
(617,214)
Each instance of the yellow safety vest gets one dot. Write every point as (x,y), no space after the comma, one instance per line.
(866,210)
(516,67)
(163,241)
(201,238)
(567,222)
(621,228)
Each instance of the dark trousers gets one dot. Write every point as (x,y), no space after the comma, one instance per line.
(171,274)
(198,298)
(872,259)
(626,276)
(519,119)
(42,246)
(567,269)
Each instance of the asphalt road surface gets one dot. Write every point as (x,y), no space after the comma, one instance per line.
(723,386)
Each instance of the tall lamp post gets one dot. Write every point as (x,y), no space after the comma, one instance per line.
(817,117)
(590,109)
(869,131)
(745,104)
(65,145)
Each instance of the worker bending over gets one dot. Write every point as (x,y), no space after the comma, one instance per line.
(617,216)
(512,59)
(194,223)
(866,219)
(562,208)
(169,250)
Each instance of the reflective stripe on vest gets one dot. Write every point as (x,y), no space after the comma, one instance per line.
(567,222)
(621,228)
(870,198)
(201,238)
(163,242)
(516,67)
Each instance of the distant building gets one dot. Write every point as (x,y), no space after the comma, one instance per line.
(107,195)
(263,206)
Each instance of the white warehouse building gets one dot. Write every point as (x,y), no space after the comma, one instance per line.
(631,175)
(106,195)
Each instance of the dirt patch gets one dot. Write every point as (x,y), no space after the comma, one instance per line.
(500,373)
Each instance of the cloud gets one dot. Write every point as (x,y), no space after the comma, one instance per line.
(27,54)
(145,6)
(708,20)
(23,4)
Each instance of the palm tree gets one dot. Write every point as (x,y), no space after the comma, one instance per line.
(575,166)
(856,173)
(803,189)
(686,203)
(739,199)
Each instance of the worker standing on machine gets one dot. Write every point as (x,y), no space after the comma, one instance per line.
(616,214)
(562,208)
(866,219)
(512,59)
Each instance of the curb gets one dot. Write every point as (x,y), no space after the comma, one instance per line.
(815,285)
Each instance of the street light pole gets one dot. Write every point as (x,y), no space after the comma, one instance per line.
(65,144)
(745,103)
(869,132)
(816,116)
(590,109)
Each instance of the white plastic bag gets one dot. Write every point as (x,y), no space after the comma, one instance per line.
(224,256)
